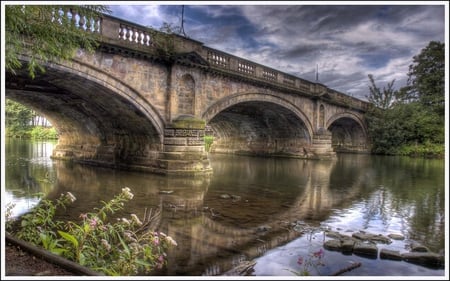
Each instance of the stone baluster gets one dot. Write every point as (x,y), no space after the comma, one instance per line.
(134,35)
(128,33)
(145,39)
(81,22)
(74,14)
(122,31)
(97,25)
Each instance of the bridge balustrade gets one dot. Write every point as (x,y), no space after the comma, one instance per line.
(78,20)
(270,75)
(120,30)
(246,68)
(134,34)
(218,59)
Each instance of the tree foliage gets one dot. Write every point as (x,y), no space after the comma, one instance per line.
(48,32)
(383,99)
(17,118)
(412,116)
(426,79)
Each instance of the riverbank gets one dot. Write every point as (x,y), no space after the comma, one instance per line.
(19,262)
(25,259)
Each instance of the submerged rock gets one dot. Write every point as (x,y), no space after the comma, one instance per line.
(333,245)
(366,249)
(390,254)
(417,247)
(396,236)
(424,258)
(365,244)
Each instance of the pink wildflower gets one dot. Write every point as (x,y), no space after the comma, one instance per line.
(93,222)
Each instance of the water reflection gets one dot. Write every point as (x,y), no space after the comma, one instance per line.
(27,173)
(246,208)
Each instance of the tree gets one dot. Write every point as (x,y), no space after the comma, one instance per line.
(411,118)
(17,118)
(48,32)
(426,77)
(382,99)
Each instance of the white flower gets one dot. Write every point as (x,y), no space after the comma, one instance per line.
(106,245)
(127,222)
(129,236)
(136,219)
(127,192)
(171,241)
(71,197)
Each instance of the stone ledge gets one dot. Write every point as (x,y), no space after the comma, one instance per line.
(52,258)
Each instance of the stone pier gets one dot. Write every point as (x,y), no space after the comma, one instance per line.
(184,148)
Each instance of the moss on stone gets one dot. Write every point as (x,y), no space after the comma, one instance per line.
(187,122)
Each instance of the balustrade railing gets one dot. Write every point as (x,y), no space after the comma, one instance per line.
(269,75)
(218,59)
(78,20)
(246,68)
(131,33)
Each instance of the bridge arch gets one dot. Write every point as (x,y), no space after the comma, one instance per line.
(100,119)
(255,123)
(349,132)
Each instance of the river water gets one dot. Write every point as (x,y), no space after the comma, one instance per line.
(248,207)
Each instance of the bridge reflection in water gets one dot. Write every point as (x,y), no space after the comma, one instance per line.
(237,214)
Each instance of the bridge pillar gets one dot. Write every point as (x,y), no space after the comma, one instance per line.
(184,148)
(321,145)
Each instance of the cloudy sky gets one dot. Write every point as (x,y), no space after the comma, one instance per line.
(344,42)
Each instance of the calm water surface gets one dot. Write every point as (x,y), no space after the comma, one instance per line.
(247,209)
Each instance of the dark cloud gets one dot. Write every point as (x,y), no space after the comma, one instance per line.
(347,42)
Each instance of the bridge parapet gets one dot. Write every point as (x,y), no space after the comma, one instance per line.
(222,61)
(132,35)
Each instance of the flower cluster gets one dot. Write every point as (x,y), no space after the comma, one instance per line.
(120,248)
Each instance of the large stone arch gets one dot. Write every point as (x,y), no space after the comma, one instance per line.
(100,119)
(262,124)
(235,99)
(349,132)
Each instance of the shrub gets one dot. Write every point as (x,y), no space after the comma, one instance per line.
(123,247)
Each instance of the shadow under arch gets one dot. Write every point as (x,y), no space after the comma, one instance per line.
(349,132)
(99,119)
(258,124)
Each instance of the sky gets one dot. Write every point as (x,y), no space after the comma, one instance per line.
(342,42)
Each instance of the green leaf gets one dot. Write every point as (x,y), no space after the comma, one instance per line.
(142,262)
(82,260)
(58,251)
(125,247)
(69,238)
(86,227)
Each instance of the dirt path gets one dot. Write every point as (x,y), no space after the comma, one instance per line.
(22,263)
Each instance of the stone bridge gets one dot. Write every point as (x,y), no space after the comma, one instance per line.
(133,104)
